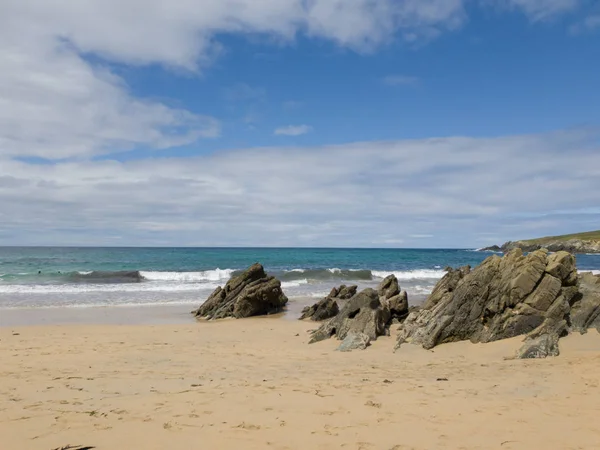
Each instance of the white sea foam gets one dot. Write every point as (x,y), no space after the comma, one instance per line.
(126,304)
(596,272)
(419,274)
(298,270)
(334,270)
(86,288)
(296,283)
(207,275)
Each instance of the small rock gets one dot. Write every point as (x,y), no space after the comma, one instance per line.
(354,341)
(540,347)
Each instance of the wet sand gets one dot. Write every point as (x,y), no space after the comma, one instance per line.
(256,384)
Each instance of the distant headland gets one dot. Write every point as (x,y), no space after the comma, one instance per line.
(587,242)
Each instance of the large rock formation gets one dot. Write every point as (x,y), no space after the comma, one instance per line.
(328,307)
(585,309)
(362,315)
(251,293)
(501,298)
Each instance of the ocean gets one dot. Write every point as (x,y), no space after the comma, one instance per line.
(64,277)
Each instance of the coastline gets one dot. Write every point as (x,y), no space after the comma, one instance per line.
(256,383)
(155,314)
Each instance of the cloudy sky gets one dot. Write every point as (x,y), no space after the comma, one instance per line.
(363,123)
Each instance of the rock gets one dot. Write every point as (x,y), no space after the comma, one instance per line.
(251,293)
(391,297)
(543,341)
(585,309)
(493,248)
(501,298)
(328,307)
(540,347)
(446,285)
(354,341)
(389,287)
(345,292)
(322,310)
(398,306)
(363,313)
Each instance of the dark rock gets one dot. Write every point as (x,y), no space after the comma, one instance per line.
(398,306)
(345,292)
(499,299)
(493,248)
(328,307)
(585,309)
(391,297)
(322,310)
(363,313)
(354,341)
(389,287)
(251,293)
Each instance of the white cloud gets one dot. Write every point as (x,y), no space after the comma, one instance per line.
(356,195)
(292,130)
(538,10)
(55,104)
(400,80)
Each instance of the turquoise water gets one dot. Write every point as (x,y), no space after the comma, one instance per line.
(79,277)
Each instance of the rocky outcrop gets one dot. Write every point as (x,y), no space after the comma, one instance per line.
(251,293)
(393,298)
(585,309)
(446,285)
(328,307)
(499,299)
(493,248)
(558,245)
(363,314)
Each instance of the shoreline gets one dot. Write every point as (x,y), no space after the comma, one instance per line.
(155,314)
(256,383)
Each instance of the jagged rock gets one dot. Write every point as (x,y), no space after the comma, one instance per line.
(585,309)
(492,248)
(398,306)
(501,298)
(391,296)
(389,287)
(540,347)
(354,341)
(328,307)
(322,310)
(543,341)
(363,313)
(446,285)
(343,292)
(251,293)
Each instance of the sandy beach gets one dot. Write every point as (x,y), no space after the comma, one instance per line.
(255,384)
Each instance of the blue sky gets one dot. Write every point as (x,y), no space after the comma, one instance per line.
(284,122)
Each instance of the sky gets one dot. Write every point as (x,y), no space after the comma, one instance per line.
(312,123)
